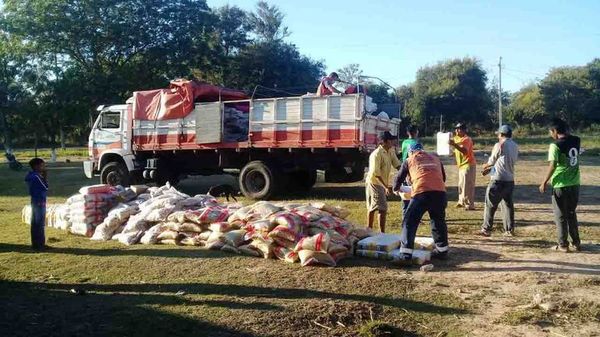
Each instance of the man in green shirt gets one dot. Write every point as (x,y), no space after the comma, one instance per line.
(412,132)
(563,175)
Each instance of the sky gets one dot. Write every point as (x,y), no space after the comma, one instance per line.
(393,39)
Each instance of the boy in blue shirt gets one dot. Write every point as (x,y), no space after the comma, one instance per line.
(37,182)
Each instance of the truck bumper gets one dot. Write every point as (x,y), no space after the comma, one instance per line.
(88,168)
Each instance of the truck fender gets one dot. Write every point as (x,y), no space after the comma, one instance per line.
(115,156)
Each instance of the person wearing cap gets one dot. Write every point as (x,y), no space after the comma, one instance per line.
(326,87)
(501,165)
(465,160)
(377,185)
(427,175)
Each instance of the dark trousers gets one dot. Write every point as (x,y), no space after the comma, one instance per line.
(433,202)
(38,221)
(404,206)
(499,191)
(564,202)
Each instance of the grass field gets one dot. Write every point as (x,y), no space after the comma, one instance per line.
(485,289)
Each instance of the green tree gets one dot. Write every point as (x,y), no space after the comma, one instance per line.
(267,23)
(527,107)
(455,89)
(567,92)
(350,73)
(274,65)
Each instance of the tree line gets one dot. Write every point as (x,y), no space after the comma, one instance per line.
(59,59)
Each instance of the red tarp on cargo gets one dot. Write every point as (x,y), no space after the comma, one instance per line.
(178,100)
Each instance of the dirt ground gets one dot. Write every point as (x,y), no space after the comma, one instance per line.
(497,286)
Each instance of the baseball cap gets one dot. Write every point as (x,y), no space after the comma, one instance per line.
(387,136)
(415,147)
(505,129)
(461,126)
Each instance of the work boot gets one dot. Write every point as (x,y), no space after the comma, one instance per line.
(436,254)
(560,248)
(485,233)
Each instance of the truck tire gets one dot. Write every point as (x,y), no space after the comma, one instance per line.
(257,180)
(115,173)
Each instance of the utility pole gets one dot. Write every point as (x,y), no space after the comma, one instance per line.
(500,92)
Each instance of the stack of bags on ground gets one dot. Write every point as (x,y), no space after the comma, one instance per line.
(57,216)
(386,247)
(307,233)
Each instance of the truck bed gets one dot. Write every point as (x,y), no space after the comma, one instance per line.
(290,122)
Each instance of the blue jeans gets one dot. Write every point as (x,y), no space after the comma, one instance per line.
(38,221)
(433,202)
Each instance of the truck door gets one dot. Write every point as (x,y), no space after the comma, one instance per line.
(108,133)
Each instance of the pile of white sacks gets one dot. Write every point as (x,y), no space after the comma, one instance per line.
(311,234)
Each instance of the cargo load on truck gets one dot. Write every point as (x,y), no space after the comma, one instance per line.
(277,144)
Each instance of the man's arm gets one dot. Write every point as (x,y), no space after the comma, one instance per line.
(330,86)
(443,171)
(496,151)
(553,154)
(458,146)
(400,177)
(549,172)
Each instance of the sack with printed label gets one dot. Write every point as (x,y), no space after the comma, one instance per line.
(234,238)
(189,227)
(309,213)
(264,245)
(96,189)
(283,232)
(167,235)
(289,219)
(208,215)
(311,258)
(319,242)
(177,216)
(337,211)
(221,227)
(151,235)
(189,241)
(285,254)
(263,209)
(326,222)
(130,238)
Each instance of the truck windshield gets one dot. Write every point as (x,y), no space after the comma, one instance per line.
(111,120)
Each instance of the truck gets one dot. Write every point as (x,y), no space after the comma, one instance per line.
(275,145)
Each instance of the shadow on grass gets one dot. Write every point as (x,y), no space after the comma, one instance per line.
(152,252)
(258,292)
(31,309)
(461,256)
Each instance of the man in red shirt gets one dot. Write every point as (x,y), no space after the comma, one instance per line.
(465,160)
(427,175)
(326,86)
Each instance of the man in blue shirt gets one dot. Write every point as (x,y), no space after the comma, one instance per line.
(37,182)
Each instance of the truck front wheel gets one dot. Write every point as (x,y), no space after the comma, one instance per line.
(114,173)
(257,180)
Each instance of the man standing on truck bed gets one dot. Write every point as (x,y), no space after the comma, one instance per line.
(377,185)
(326,86)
